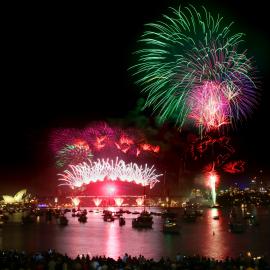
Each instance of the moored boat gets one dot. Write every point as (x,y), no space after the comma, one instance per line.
(236,227)
(82,218)
(63,221)
(4,218)
(108,216)
(29,219)
(144,220)
(122,221)
(170,226)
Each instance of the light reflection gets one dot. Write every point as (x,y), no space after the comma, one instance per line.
(112,241)
(111,208)
(216,240)
(214,212)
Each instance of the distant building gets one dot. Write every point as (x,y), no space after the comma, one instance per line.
(18,198)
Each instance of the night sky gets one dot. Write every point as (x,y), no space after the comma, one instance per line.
(67,65)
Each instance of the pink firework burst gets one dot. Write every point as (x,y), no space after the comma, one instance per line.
(99,139)
(62,137)
(209,106)
(100,135)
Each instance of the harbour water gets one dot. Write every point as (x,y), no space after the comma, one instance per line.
(206,236)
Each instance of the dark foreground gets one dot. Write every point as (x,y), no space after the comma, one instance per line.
(51,260)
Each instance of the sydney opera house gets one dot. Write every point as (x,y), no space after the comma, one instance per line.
(17,198)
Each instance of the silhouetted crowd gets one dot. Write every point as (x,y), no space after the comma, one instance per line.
(51,260)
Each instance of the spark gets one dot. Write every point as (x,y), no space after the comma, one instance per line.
(93,171)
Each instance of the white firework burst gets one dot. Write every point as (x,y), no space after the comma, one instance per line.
(93,171)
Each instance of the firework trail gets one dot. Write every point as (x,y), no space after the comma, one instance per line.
(190,67)
(212,178)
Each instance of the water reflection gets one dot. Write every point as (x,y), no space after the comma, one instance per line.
(97,237)
(216,242)
(112,239)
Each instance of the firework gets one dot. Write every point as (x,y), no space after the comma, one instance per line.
(125,143)
(74,146)
(234,167)
(85,173)
(191,67)
(209,108)
(140,201)
(118,201)
(97,201)
(212,183)
(75,201)
(73,154)
(62,137)
(100,135)
(222,145)
(212,178)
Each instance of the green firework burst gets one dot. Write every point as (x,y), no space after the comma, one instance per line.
(186,49)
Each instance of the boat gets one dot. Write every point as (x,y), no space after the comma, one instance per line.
(190,215)
(48,216)
(144,220)
(108,216)
(29,219)
(247,215)
(170,226)
(236,223)
(189,218)
(122,221)
(4,218)
(63,221)
(215,206)
(82,218)
(199,212)
(168,214)
(236,227)
(118,215)
(253,221)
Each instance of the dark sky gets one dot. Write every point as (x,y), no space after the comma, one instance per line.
(66,65)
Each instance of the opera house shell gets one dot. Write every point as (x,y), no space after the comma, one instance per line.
(18,198)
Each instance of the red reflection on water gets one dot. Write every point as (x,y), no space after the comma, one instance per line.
(216,244)
(112,239)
